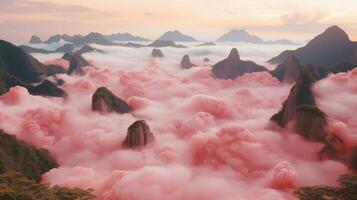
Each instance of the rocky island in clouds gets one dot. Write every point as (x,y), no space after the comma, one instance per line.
(122,109)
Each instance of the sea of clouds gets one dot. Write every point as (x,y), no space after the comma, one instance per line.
(214,140)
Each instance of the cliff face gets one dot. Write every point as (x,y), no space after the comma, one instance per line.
(138,135)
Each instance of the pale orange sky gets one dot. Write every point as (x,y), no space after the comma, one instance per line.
(203,19)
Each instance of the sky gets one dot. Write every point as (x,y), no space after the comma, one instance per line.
(203,19)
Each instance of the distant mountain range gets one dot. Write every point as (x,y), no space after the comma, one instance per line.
(92,37)
(242,35)
(176,36)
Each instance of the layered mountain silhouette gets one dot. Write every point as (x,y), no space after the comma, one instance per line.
(206,44)
(233,66)
(331,47)
(176,36)
(79,40)
(165,43)
(104,101)
(125,37)
(138,135)
(241,35)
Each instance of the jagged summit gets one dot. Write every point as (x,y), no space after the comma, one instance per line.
(233,66)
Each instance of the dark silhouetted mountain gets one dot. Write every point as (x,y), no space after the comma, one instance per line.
(29,49)
(186,62)
(289,71)
(176,36)
(104,101)
(206,60)
(157,53)
(206,44)
(125,37)
(24,158)
(79,40)
(35,40)
(46,88)
(331,47)
(233,66)
(76,63)
(52,70)
(300,94)
(165,43)
(17,62)
(240,36)
(66,48)
(91,38)
(138,135)
(88,49)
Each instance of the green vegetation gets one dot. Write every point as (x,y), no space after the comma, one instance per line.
(347,190)
(14,186)
(21,167)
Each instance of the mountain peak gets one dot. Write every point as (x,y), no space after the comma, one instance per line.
(234,55)
(176,36)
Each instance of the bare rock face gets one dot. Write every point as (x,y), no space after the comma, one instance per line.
(289,71)
(300,94)
(186,62)
(157,53)
(104,101)
(139,134)
(76,63)
(233,66)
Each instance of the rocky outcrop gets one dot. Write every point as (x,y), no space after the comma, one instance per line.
(76,63)
(138,135)
(206,60)
(35,40)
(289,71)
(46,88)
(300,95)
(24,158)
(156,53)
(104,101)
(331,47)
(233,66)
(186,62)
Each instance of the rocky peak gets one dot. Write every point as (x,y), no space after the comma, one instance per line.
(35,40)
(104,101)
(234,55)
(157,53)
(186,62)
(138,135)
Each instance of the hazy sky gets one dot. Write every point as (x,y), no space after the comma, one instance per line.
(203,19)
